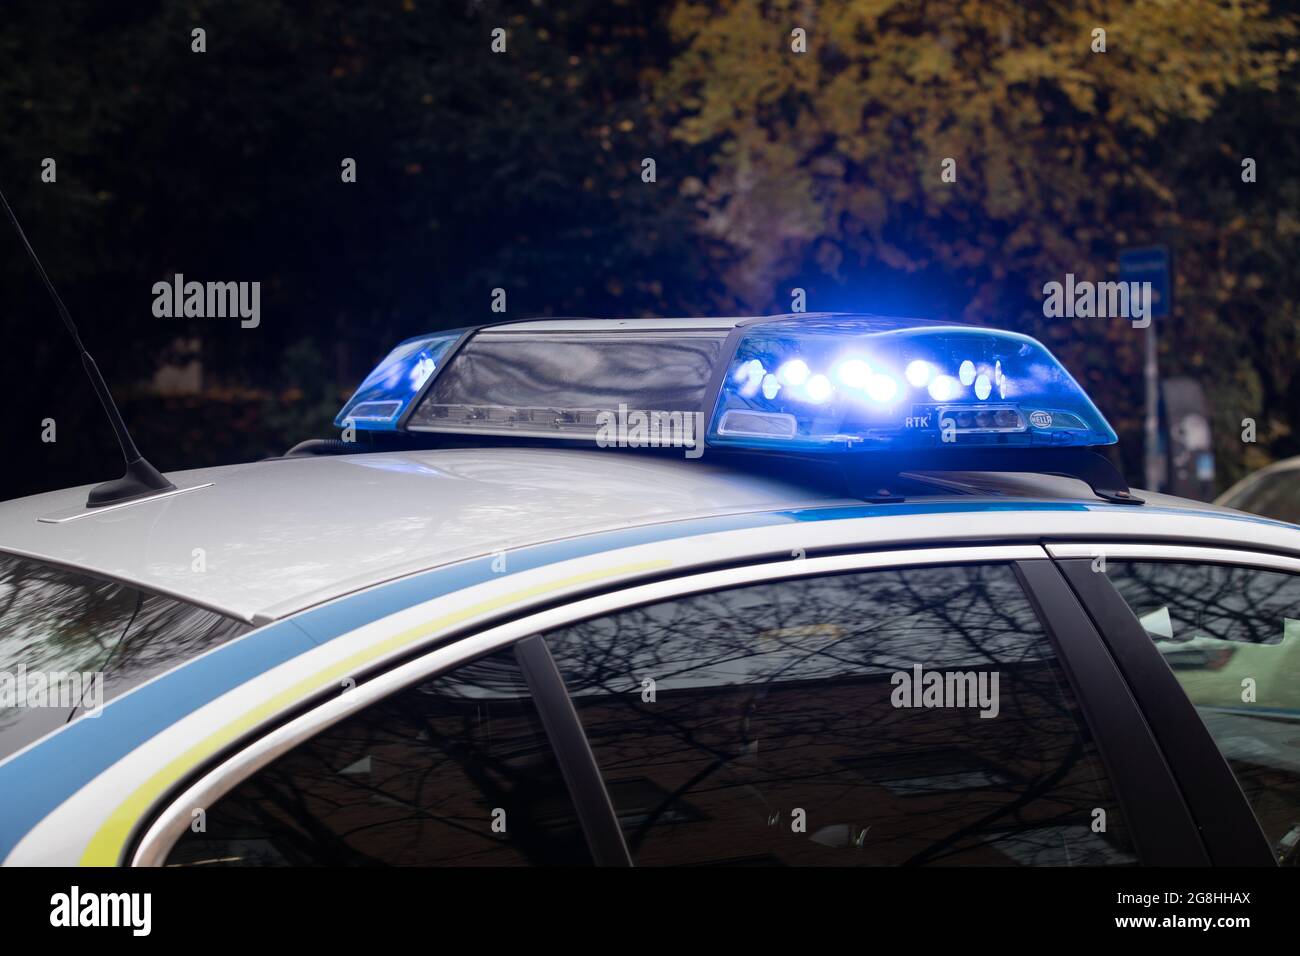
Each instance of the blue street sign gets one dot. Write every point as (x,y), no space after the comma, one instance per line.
(1149,264)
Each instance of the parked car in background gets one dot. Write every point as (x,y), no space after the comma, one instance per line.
(1273,492)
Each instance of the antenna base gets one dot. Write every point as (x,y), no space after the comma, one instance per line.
(140,481)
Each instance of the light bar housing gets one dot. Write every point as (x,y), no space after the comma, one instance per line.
(805,383)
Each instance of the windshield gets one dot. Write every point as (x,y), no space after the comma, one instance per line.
(70,642)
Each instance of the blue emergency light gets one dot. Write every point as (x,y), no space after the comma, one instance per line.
(819,383)
(864,383)
(388,391)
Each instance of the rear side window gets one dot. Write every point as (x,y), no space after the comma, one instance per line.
(1231,635)
(914,716)
(455,771)
(70,642)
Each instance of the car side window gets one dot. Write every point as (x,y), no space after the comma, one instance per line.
(71,642)
(1231,635)
(914,716)
(454,771)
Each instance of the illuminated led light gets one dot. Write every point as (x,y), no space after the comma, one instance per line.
(983,387)
(751,370)
(966,373)
(854,373)
(882,388)
(918,373)
(750,375)
(793,372)
(421,371)
(819,388)
(944,388)
(770,386)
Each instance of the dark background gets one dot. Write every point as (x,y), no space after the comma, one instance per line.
(522,170)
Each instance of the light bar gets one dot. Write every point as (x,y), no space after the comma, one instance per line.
(860,383)
(387,392)
(800,383)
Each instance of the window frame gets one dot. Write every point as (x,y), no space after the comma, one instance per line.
(1230,830)
(1163,831)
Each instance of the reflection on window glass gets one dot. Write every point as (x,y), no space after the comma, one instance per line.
(162,634)
(769,724)
(1231,635)
(456,771)
(69,639)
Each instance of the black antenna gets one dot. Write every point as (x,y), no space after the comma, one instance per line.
(141,479)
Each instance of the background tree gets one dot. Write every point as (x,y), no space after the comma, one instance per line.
(476,170)
(522,171)
(824,171)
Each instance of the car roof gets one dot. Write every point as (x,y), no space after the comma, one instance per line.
(283,534)
(278,536)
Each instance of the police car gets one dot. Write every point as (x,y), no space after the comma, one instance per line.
(791,590)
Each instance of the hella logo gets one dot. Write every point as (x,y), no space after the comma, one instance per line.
(1040,419)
